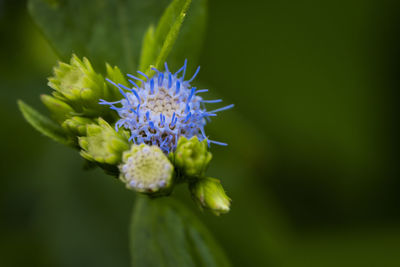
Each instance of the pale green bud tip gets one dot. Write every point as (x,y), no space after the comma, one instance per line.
(146,169)
(103,144)
(209,194)
(192,156)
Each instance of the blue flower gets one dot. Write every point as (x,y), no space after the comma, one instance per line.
(163,108)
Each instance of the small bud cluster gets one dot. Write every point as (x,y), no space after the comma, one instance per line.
(77,89)
(192,158)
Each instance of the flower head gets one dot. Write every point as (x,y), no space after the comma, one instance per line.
(159,109)
(146,169)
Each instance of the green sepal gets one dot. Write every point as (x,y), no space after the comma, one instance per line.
(59,110)
(209,194)
(158,42)
(191,156)
(43,124)
(115,75)
(103,144)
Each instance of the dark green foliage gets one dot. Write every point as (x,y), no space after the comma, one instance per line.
(166,234)
(104,31)
(316,183)
(111,31)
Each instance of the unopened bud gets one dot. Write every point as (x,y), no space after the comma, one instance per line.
(103,144)
(192,156)
(209,194)
(81,87)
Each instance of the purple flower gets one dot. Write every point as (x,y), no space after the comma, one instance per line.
(163,108)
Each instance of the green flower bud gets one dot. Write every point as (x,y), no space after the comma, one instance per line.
(81,87)
(76,125)
(192,156)
(58,109)
(103,144)
(209,194)
(146,169)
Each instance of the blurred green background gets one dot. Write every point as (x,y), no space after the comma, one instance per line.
(311,164)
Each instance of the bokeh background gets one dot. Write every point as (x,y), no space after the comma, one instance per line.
(312,162)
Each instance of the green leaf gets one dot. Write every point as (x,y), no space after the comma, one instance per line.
(158,44)
(148,54)
(165,233)
(43,124)
(102,30)
(191,37)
